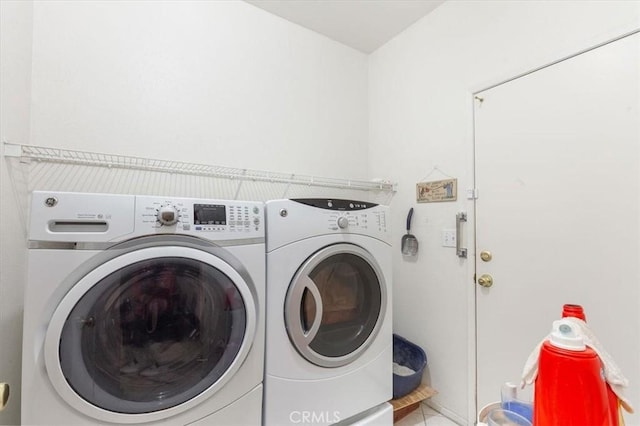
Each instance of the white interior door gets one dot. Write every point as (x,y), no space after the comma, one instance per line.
(557,172)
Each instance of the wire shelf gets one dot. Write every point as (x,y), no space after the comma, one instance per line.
(28,153)
(55,169)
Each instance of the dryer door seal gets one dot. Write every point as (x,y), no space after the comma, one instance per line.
(335,305)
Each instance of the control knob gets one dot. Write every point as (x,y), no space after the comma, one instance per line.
(343,222)
(167,215)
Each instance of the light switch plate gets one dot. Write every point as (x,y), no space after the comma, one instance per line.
(448,238)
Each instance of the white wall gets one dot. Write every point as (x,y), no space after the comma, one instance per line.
(421,117)
(16,23)
(219,82)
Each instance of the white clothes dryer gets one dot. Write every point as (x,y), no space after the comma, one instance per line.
(143,310)
(329,328)
(382,415)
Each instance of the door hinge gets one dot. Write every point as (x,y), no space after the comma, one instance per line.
(472,194)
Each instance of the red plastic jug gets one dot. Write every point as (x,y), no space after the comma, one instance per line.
(570,389)
(576,311)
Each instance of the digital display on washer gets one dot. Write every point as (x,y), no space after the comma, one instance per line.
(209,214)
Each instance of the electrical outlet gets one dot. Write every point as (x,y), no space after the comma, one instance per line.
(448,238)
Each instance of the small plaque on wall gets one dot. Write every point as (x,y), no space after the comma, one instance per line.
(439,190)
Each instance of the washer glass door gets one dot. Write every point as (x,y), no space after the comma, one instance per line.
(335,304)
(145,332)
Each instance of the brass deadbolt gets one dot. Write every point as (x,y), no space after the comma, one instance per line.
(486,255)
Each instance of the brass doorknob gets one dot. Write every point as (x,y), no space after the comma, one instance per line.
(4,395)
(485,280)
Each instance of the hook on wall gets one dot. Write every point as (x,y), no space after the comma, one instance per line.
(433,170)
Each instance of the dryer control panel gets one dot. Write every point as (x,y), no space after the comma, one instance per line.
(349,215)
(297,219)
(210,219)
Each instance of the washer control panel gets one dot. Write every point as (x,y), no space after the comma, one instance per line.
(84,217)
(200,217)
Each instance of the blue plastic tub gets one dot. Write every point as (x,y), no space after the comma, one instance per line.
(409,355)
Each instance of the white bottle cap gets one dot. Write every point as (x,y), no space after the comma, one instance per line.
(564,336)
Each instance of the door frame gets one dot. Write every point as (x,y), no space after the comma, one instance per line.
(473,194)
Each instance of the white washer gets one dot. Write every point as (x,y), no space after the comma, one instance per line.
(329,333)
(143,310)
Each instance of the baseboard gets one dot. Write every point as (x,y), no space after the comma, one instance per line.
(447,413)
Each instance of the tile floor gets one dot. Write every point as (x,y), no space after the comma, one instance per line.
(425,416)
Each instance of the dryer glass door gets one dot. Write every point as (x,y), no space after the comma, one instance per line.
(150,332)
(335,304)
